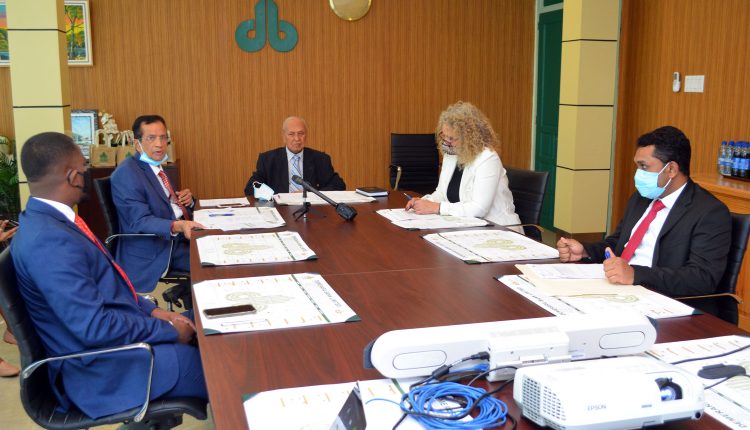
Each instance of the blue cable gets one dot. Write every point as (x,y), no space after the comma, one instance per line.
(425,404)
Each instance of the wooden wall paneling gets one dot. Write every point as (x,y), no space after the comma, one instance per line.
(695,37)
(354,82)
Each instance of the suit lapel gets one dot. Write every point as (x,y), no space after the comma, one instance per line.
(680,208)
(150,178)
(308,168)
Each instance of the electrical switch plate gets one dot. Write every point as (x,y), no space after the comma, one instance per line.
(694,83)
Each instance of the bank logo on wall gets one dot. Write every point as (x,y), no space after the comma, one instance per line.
(267,26)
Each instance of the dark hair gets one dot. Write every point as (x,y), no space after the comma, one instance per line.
(145,119)
(44,150)
(670,144)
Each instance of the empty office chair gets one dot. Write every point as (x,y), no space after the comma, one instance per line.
(414,162)
(528,188)
(724,302)
(37,396)
(174,295)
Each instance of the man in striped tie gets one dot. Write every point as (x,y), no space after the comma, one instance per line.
(674,237)
(79,299)
(147,202)
(276,167)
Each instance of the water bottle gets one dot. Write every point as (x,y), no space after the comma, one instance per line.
(720,158)
(736,159)
(729,158)
(745,166)
(740,157)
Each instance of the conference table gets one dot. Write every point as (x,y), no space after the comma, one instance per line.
(393,279)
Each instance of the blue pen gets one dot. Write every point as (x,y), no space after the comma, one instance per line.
(607,255)
(408,197)
(220,214)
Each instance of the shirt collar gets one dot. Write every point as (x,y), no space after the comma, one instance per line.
(670,200)
(64,209)
(155,169)
(290,154)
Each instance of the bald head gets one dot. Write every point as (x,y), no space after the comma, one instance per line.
(294,133)
(54,166)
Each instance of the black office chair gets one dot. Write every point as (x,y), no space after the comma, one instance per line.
(180,292)
(528,188)
(37,396)
(724,302)
(414,162)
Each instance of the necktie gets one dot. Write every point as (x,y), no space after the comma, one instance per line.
(293,186)
(85,229)
(637,236)
(172,195)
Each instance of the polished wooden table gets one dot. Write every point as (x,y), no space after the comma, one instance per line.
(393,279)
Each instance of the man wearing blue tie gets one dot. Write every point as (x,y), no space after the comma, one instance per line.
(79,298)
(275,168)
(147,203)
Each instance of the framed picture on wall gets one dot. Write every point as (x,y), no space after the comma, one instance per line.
(4,54)
(83,123)
(77,33)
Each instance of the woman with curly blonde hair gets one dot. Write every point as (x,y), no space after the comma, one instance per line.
(472,180)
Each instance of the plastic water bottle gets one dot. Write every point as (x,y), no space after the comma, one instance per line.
(720,159)
(745,166)
(728,158)
(736,159)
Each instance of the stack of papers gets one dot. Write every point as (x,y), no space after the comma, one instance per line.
(316,407)
(484,246)
(728,402)
(239,218)
(253,249)
(224,203)
(283,301)
(410,220)
(372,191)
(295,199)
(564,289)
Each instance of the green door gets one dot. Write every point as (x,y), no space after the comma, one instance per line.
(548,105)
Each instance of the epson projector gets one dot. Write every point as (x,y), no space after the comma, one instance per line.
(612,393)
(511,344)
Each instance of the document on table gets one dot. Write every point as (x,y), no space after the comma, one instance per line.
(256,248)
(607,298)
(410,220)
(728,402)
(316,407)
(295,199)
(239,218)
(484,246)
(221,203)
(281,301)
(566,271)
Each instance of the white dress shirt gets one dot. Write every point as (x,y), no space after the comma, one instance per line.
(175,207)
(644,254)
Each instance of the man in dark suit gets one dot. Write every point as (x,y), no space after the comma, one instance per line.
(674,237)
(79,299)
(147,203)
(276,167)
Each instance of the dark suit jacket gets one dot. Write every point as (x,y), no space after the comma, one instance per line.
(77,302)
(692,247)
(143,207)
(272,169)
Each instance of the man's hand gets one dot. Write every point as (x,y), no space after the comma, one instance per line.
(422,206)
(185,197)
(185,227)
(6,234)
(570,250)
(184,326)
(617,270)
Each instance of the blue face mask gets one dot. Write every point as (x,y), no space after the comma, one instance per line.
(647,183)
(148,160)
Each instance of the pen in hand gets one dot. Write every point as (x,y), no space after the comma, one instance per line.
(408,197)
(607,255)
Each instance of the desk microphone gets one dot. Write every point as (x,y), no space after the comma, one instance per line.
(345,211)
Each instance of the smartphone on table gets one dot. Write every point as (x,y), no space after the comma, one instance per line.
(229,311)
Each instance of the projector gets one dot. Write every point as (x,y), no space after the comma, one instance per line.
(613,393)
(511,344)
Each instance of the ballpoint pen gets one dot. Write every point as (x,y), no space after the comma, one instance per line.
(220,215)
(408,197)
(607,255)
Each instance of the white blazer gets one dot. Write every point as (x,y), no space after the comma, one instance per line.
(483,192)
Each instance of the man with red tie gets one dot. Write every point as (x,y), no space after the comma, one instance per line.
(147,203)
(674,237)
(80,299)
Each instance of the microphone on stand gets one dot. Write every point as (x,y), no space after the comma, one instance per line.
(345,211)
